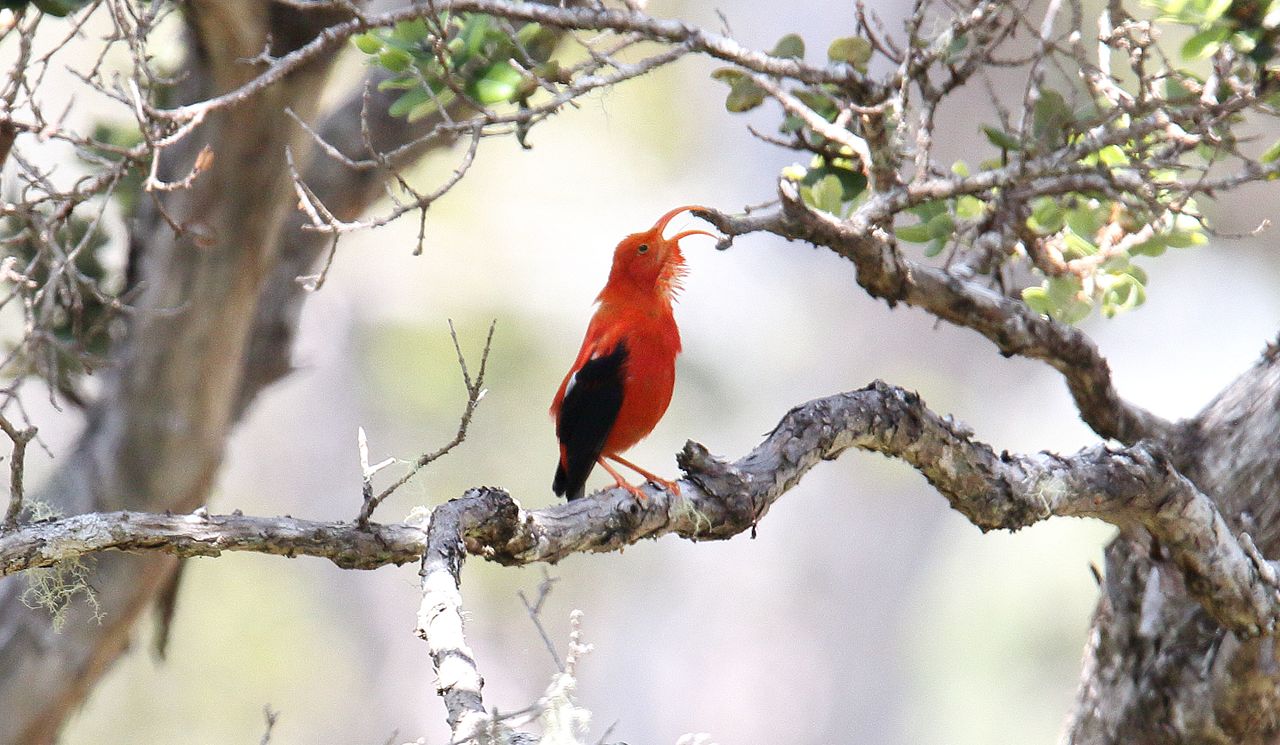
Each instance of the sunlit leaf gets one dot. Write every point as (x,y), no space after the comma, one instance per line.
(854,50)
(1205,43)
(367,43)
(918,233)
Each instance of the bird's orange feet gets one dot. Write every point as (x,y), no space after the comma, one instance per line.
(621,482)
(670,486)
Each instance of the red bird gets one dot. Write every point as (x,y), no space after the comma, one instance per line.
(621,382)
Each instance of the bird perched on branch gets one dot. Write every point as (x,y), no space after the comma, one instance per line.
(621,382)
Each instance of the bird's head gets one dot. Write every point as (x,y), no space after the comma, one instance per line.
(648,262)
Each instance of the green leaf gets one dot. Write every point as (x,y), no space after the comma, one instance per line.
(1076,247)
(402,82)
(1001,138)
(1177,91)
(744,94)
(1065,301)
(791,46)
(395,60)
(498,84)
(1205,43)
(1050,118)
(367,43)
(918,233)
(1271,153)
(935,247)
(744,97)
(443,98)
(960,168)
(926,211)
(1215,10)
(1112,156)
(1153,246)
(1062,289)
(411,31)
(1047,217)
(854,50)
(406,103)
(969,207)
(474,32)
(852,183)
(828,194)
(1085,220)
(528,33)
(1185,238)
(1124,292)
(822,104)
(1074,311)
(942,226)
(1037,299)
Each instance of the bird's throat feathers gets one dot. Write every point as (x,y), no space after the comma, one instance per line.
(633,281)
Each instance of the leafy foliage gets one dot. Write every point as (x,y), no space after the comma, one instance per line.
(469,57)
(69,288)
(1246,26)
(1079,246)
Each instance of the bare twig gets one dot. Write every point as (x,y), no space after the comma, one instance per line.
(271,716)
(475,392)
(17,461)
(534,610)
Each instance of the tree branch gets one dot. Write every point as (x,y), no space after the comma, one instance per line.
(1133,488)
(17,464)
(598,18)
(1010,324)
(47,542)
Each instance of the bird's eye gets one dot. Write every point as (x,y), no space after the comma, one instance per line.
(644,248)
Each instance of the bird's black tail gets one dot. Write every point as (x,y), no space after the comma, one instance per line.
(572,486)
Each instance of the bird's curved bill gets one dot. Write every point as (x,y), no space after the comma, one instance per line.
(661,224)
(687,233)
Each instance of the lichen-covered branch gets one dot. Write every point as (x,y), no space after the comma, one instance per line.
(45,543)
(1133,487)
(1130,487)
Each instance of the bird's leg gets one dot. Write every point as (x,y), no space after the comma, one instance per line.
(635,490)
(670,486)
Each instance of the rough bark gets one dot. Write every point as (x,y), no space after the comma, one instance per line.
(1158,669)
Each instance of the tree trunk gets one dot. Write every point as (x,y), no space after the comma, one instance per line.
(155,439)
(1157,668)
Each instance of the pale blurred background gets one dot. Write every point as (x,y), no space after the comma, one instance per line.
(865,610)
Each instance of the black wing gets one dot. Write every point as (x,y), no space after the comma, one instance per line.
(587,414)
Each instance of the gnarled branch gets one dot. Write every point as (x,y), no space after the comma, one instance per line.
(1013,327)
(1132,487)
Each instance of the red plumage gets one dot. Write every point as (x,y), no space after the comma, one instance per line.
(621,382)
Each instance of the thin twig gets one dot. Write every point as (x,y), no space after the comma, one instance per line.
(271,717)
(534,610)
(17,460)
(475,392)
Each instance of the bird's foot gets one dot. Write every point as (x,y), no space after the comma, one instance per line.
(634,490)
(671,486)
